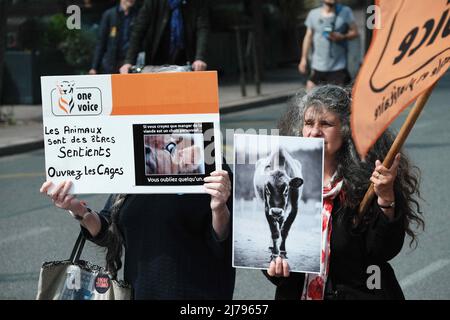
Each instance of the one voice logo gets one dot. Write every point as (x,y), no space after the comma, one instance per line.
(69,100)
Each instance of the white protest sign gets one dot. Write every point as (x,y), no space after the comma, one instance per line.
(144,133)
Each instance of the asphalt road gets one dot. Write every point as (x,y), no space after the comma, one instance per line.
(33,231)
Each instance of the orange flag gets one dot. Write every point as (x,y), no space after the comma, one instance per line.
(409,53)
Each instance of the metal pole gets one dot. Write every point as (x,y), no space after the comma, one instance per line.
(256,65)
(3,20)
(240,61)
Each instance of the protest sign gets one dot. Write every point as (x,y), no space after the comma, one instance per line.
(407,56)
(141,133)
(277,200)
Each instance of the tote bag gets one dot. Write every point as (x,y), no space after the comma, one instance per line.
(76,279)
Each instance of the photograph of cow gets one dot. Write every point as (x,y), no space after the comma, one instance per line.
(278,182)
(173,154)
(277,201)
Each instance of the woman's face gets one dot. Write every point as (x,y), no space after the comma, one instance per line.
(320,123)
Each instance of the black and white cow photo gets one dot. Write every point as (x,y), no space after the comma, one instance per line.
(277,201)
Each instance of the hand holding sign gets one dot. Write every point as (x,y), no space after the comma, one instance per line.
(278,268)
(218,185)
(77,208)
(61,198)
(383,183)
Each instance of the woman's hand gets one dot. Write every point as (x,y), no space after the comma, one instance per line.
(199,65)
(62,199)
(218,185)
(383,181)
(278,268)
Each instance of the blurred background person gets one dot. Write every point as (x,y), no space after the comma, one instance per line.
(114,37)
(329,27)
(170,32)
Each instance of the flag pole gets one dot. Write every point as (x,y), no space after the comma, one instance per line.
(398,143)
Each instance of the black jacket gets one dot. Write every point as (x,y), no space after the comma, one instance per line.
(352,252)
(105,58)
(171,251)
(152,21)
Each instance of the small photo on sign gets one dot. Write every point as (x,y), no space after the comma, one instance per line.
(174,154)
(277,201)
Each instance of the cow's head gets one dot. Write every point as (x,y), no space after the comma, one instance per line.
(277,189)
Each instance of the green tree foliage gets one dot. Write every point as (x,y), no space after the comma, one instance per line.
(76,45)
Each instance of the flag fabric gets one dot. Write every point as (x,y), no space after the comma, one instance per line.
(409,52)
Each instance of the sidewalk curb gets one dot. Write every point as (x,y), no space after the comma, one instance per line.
(21,147)
(258,102)
(228,108)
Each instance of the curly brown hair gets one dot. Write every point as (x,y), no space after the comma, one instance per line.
(354,171)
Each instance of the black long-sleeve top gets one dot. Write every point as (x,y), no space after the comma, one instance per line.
(171,251)
(352,252)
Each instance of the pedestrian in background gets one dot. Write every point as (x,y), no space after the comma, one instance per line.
(351,245)
(114,38)
(171,32)
(328,29)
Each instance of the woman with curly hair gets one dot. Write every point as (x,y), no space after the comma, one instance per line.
(351,247)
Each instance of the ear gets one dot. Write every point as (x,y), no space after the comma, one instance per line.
(296,182)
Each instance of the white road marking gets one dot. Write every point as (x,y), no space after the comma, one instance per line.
(30,233)
(423,273)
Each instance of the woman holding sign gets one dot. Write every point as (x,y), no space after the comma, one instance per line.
(355,252)
(176,246)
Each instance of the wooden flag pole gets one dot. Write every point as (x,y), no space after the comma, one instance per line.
(398,143)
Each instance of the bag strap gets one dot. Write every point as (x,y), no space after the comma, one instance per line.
(77,248)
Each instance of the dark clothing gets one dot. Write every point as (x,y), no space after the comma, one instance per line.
(124,33)
(352,251)
(339,77)
(171,251)
(113,40)
(163,57)
(152,33)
